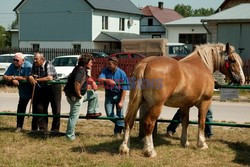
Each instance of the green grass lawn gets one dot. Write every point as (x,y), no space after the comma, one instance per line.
(96,146)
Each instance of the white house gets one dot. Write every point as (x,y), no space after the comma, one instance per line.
(189,30)
(94,24)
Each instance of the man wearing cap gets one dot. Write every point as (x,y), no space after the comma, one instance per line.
(19,71)
(114,92)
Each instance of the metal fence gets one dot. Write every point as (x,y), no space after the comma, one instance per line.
(51,53)
(125,64)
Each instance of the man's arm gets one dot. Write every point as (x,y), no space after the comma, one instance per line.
(123,95)
(77,87)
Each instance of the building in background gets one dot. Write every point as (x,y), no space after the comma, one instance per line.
(76,24)
(152,24)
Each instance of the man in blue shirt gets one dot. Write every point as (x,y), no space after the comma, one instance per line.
(114,92)
(19,71)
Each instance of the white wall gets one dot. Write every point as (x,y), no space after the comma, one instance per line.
(56,44)
(172,32)
(113,25)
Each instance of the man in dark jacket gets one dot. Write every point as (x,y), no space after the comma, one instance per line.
(76,90)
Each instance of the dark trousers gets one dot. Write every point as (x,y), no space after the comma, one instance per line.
(40,106)
(43,96)
(208,128)
(55,96)
(21,108)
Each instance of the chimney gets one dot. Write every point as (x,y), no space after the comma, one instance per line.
(160,5)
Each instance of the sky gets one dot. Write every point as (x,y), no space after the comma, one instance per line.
(7,16)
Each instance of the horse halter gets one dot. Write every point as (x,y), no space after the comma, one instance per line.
(226,56)
(228,62)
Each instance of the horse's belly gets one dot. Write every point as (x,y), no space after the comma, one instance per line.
(180,102)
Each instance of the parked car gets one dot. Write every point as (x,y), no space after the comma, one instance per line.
(99,54)
(7,59)
(64,65)
(127,55)
(177,50)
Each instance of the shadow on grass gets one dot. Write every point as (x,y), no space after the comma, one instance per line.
(242,151)
(44,135)
(113,146)
(10,129)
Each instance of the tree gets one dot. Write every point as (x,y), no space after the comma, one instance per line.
(2,37)
(187,11)
(184,10)
(203,12)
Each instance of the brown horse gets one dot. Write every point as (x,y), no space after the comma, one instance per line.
(182,84)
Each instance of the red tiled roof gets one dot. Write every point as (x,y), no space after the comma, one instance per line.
(162,15)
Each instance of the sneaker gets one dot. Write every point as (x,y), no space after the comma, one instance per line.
(18,130)
(169,134)
(93,115)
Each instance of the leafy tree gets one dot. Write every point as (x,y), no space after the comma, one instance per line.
(184,10)
(203,12)
(2,36)
(187,11)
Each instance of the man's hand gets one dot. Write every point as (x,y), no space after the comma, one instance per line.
(120,105)
(110,82)
(15,82)
(91,84)
(32,80)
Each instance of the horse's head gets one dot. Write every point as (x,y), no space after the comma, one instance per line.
(232,65)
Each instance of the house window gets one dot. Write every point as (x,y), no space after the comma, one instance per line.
(156,36)
(150,22)
(35,47)
(77,47)
(121,24)
(104,22)
(193,39)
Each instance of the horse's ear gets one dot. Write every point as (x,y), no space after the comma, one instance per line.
(227,48)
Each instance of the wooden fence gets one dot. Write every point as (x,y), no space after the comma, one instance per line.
(125,64)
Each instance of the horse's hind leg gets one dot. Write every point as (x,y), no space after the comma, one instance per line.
(184,122)
(149,124)
(124,147)
(202,119)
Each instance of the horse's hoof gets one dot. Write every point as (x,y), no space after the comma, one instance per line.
(185,144)
(203,146)
(150,154)
(124,150)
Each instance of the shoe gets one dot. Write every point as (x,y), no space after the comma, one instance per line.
(93,115)
(169,134)
(18,130)
(118,135)
(208,136)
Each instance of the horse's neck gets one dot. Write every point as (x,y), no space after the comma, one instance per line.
(212,61)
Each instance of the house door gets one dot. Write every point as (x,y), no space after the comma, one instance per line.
(238,35)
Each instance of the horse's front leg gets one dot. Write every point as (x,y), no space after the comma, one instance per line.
(185,122)
(201,130)
(149,123)
(124,147)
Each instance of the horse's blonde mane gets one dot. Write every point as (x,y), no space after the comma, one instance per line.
(213,55)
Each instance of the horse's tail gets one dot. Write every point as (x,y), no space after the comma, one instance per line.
(135,95)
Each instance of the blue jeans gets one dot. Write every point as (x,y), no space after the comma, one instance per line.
(75,106)
(111,101)
(208,128)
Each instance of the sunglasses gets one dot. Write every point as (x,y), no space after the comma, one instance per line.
(16,60)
